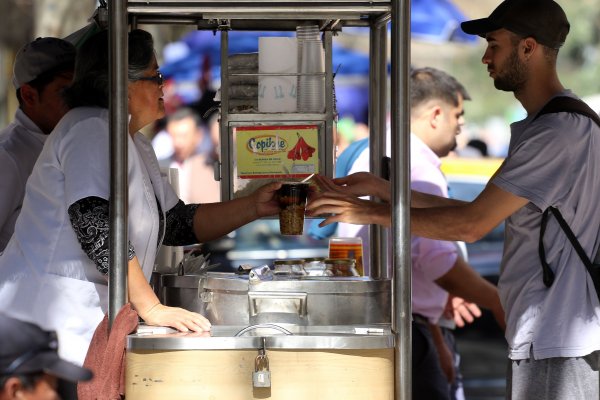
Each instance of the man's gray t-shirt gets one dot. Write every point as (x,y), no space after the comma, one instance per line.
(552,161)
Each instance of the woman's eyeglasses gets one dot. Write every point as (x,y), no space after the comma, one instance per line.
(158,78)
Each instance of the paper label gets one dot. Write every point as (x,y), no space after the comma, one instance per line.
(287,151)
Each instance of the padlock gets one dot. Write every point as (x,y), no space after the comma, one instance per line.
(261,377)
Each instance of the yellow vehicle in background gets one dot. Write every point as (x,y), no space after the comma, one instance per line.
(470,168)
(466,178)
(481,344)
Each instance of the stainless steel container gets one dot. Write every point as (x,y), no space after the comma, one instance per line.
(180,291)
(230,299)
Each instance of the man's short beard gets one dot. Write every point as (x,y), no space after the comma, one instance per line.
(514,74)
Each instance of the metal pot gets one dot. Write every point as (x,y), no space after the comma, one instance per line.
(230,299)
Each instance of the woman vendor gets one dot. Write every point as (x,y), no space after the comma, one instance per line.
(54,270)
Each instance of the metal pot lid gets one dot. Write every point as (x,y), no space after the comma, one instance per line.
(230,282)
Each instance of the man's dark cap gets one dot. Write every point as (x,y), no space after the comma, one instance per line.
(39,57)
(26,348)
(544,20)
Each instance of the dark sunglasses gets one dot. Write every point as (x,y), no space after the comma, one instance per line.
(158,78)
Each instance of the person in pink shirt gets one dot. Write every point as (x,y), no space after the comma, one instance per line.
(437,115)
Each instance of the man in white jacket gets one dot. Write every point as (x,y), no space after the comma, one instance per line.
(42,69)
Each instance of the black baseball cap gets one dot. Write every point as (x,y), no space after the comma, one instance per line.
(544,20)
(26,348)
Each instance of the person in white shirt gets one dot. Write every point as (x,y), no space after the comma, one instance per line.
(42,69)
(54,270)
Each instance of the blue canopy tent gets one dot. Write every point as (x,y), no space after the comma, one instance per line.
(436,21)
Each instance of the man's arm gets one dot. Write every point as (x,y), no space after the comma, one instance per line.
(456,221)
(342,207)
(357,184)
(468,222)
(462,281)
(425,200)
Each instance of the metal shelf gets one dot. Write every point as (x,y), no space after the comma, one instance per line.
(253,15)
(272,117)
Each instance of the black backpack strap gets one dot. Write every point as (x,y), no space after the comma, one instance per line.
(568,104)
(548,274)
(573,105)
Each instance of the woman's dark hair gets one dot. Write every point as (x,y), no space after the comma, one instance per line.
(90,82)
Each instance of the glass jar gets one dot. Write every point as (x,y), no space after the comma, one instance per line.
(289,267)
(341,267)
(314,266)
(347,247)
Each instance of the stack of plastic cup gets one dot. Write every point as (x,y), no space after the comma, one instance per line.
(311,66)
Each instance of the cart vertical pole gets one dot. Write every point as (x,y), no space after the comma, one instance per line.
(226,139)
(377,134)
(117,282)
(400,178)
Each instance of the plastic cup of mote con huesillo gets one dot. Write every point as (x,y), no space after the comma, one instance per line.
(292,204)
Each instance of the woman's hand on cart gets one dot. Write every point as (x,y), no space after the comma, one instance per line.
(175,317)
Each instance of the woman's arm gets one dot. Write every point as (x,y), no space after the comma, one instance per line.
(145,302)
(213,220)
(90,221)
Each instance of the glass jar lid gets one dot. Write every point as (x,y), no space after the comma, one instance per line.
(313,259)
(295,261)
(340,261)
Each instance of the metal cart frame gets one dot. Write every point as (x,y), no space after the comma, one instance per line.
(283,15)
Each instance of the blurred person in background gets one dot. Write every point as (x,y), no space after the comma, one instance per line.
(349,131)
(42,70)
(475,148)
(30,367)
(192,157)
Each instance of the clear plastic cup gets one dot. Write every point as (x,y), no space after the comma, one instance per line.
(292,204)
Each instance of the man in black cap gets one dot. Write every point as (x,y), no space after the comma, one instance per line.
(549,298)
(553,325)
(29,363)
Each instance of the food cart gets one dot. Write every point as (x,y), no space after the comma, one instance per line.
(292,338)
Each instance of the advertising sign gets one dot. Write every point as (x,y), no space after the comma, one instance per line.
(286,151)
